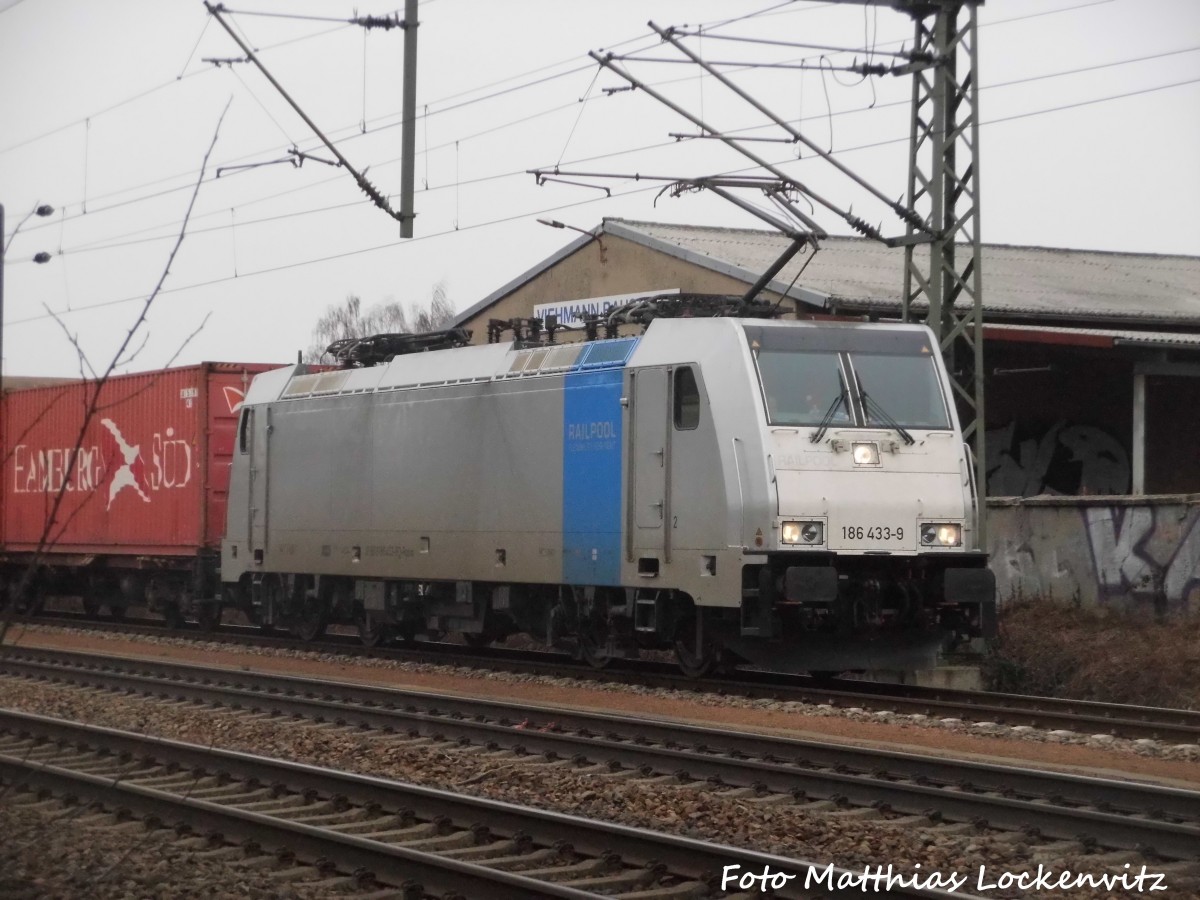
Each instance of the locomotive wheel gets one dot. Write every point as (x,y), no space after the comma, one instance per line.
(90,608)
(371,632)
(311,622)
(492,631)
(208,616)
(593,643)
(695,662)
(172,616)
(27,604)
(30,604)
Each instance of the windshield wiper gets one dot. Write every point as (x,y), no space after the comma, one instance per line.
(823,425)
(871,406)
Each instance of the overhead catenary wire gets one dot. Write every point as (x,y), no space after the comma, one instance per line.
(355,133)
(772,10)
(528,214)
(166,84)
(192,55)
(141,95)
(365,22)
(497,82)
(359,177)
(254,96)
(170,224)
(465,182)
(450,143)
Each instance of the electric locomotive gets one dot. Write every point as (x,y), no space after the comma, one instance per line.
(791,494)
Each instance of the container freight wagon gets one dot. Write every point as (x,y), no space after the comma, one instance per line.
(125,506)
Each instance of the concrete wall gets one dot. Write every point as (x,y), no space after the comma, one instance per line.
(1136,552)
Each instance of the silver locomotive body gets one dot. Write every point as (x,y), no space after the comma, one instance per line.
(789,493)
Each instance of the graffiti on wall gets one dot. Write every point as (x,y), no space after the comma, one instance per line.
(1061,459)
(1129,561)
(1098,554)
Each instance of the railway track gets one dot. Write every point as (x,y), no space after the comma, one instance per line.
(417,840)
(1082,717)
(914,791)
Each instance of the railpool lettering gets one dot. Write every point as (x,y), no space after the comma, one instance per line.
(591,431)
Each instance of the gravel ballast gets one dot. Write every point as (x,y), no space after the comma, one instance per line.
(849,838)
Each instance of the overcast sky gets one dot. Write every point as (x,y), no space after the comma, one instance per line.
(1090,139)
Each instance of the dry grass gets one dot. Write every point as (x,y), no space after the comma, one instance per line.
(1062,650)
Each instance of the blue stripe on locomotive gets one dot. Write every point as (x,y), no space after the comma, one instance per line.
(592,449)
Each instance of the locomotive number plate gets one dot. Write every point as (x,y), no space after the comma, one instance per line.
(872,533)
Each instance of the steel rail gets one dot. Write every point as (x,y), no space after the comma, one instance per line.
(680,857)
(1118,814)
(1080,716)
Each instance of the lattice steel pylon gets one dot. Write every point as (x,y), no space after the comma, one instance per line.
(945,282)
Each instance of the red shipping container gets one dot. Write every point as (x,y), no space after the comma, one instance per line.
(150,475)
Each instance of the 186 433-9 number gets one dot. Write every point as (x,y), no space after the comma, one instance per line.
(872,533)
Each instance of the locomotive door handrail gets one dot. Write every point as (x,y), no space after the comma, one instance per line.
(669,430)
(630,449)
(975,509)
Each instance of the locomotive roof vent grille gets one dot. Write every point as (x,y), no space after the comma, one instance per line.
(562,357)
(570,358)
(607,354)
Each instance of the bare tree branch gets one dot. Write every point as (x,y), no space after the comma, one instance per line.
(92,392)
(349,321)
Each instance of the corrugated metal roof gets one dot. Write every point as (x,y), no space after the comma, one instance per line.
(1036,282)
(1106,337)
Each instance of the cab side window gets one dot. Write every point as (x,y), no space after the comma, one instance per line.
(244,430)
(687,399)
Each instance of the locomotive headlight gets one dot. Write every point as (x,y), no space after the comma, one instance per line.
(936,534)
(865,453)
(802,532)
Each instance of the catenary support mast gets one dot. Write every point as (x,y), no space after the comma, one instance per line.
(942,272)
(943,280)
(943,184)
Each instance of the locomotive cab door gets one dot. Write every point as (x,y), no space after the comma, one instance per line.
(649,455)
(259,430)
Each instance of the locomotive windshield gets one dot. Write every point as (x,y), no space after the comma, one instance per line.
(903,387)
(848,376)
(803,388)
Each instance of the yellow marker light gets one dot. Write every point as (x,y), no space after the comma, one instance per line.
(866,454)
